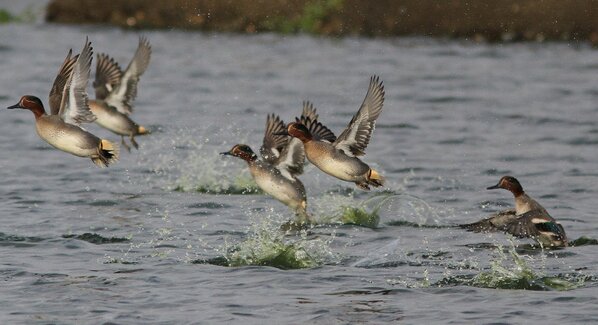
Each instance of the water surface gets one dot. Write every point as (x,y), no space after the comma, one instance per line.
(145,240)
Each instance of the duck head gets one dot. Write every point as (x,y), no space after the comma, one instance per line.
(297,130)
(31,103)
(242,151)
(509,183)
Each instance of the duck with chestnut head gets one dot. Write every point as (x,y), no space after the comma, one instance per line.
(115,92)
(527,219)
(68,109)
(338,157)
(282,160)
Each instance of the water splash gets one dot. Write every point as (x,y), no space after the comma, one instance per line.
(196,166)
(337,209)
(511,270)
(217,179)
(266,245)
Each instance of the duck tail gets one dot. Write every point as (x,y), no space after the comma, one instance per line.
(374,178)
(141,130)
(107,153)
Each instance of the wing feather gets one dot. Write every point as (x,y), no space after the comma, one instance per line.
(108,75)
(73,107)
(273,145)
(309,118)
(532,224)
(356,136)
(492,223)
(292,159)
(60,82)
(124,94)
(309,111)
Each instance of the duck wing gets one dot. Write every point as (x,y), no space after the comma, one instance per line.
(108,75)
(309,111)
(61,79)
(273,145)
(124,94)
(73,107)
(292,159)
(356,136)
(493,223)
(309,118)
(533,224)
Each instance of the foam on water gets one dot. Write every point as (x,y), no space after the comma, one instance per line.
(265,244)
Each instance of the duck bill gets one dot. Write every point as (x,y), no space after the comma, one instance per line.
(493,187)
(226,153)
(17,105)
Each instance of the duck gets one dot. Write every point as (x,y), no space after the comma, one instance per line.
(338,157)
(528,219)
(115,91)
(282,160)
(68,109)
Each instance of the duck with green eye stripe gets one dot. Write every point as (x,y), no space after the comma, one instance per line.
(68,109)
(338,157)
(282,160)
(527,219)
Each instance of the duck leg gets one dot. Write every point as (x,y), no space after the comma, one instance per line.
(133,142)
(363,185)
(125,145)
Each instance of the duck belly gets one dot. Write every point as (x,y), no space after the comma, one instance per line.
(346,168)
(109,118)
(69,138)
(290,193)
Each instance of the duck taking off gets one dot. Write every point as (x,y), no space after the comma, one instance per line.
(68,109)
(338,156)
(116,91)
(282,160)
(527,219)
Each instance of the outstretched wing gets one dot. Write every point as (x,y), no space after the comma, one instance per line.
(492,223)
(309,111)
(292,159)
(309,118)
(73,107)
(108,75)
(533,224)
(273,145)
(356,136)
(60,82)
(124,94)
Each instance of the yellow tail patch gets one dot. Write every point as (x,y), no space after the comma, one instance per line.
(141,130)
(107,153)
(375,179)
(106,145)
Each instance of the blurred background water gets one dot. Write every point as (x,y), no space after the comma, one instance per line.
(163,237)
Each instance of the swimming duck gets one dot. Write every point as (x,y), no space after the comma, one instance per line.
(527,219)
(282,160)
(115,92)
(68,109)
(338,156)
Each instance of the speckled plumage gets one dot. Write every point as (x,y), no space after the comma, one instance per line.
(69,108)
(116,91)
(527,219)
(282,160)
(337,157)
